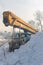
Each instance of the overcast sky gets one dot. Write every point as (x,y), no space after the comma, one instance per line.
(22,8)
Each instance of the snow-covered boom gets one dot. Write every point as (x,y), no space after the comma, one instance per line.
(11,19)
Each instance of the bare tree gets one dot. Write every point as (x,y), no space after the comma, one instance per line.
(39,17)
(32,22)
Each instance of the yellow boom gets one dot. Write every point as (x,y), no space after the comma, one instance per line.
(11,19)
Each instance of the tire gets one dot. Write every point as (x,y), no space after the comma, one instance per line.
(13,46)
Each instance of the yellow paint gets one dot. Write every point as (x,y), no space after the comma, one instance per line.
(16,21)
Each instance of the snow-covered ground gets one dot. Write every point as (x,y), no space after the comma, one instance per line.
(29,54)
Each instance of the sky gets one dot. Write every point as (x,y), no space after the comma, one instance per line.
(22,8)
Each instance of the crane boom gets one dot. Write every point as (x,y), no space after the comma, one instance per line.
(11,19)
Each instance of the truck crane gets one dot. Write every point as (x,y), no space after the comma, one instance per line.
(10,19)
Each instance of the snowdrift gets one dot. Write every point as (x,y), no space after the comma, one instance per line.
(28,54)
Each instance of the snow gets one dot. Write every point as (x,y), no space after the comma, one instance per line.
(29,54)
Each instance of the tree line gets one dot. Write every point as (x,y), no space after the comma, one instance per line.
(38,20)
